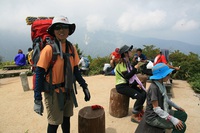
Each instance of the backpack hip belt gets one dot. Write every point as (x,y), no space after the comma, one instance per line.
(48,87)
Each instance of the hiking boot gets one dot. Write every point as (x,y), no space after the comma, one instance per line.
(136,118)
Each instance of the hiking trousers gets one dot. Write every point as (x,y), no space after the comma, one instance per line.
(134,93)
(162,123)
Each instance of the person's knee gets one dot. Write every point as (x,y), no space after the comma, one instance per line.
(184,116)
(112,63)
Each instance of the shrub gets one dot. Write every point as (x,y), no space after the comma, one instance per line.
(97,64)
(6,63)
(194,81)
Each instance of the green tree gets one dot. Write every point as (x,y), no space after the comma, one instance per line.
(150,51)
(97,64)
(80,52)
(1,59)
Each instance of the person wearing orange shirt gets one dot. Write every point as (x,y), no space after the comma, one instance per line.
(162,57)
(114,58)
(58,86)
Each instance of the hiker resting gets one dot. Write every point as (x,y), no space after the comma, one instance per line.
(127,82)
(157,111)
(163,57)
(114,58)
(20,58)
(139,56)
(59,95)
(84,64)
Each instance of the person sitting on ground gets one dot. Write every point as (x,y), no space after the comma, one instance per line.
(127,83)
(114,58)
(85,64)
(163,57)
(20,59)
(139,56)
(157,111)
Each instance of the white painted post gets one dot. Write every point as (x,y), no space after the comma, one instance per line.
(24,81)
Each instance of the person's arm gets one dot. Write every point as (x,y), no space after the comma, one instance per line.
(128,75)
(39,84)
(134,57)
(163,114)
(174,105)
(170,66)
(82,83)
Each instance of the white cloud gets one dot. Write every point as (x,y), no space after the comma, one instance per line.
(94,23)
(137,20)
(142,18)
(186,25)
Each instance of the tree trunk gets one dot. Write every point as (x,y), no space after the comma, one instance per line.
(91,121)
(119,104)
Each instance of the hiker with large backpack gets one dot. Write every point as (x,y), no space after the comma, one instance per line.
(55,77)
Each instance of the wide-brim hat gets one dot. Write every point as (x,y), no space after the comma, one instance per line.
(125,48)
(160,71)
(61,20)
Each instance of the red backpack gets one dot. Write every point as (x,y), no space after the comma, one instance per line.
(40,38)
(39,29)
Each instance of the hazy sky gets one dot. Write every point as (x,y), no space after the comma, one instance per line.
(164,19)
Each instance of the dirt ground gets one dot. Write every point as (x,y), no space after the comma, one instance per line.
(17,115)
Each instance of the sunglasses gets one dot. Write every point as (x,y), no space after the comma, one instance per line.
(61,26)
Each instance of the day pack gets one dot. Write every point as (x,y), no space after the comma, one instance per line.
(87,62)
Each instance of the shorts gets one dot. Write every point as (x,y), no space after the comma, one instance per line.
(54,114)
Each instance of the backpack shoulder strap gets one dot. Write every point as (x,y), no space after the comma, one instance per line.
(55,52)
(71,48)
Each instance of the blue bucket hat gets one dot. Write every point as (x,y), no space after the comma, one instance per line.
(160,71)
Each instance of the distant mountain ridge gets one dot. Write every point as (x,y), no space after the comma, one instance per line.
(98,44)
(103,43)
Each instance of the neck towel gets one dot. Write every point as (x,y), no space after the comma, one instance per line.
(164,94)
(69,77)
(134,77)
